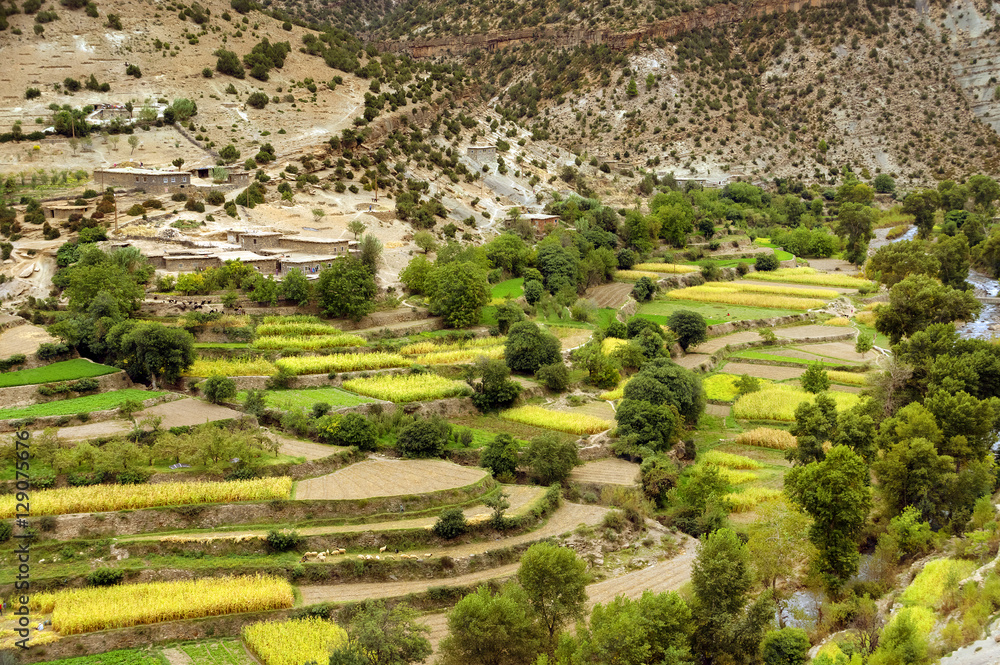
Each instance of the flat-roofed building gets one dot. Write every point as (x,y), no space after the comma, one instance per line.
(149,180)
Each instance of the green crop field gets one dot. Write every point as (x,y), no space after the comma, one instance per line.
(512,287)
(69,407)
(120,657)
(220,345)
(217,652)
(660,310)
(305,398)
(67,370)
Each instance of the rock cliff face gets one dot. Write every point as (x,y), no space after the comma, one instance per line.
(695,20)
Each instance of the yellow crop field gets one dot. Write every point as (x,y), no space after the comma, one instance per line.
(246,366)
(865,318)
(307,342)
(750,497)
(409,388)
(295,641)
(420,348)
(773,289)
(341,362)
(930,585)
(609,344)
(767,437)
(734,477)
(617,393)
(672,268)
(808,276)
(778,402)
(839,321)
(459,356)
(733,296)
(274,328)
(635,275)
(102,608)
(574,423)
(850,378)
(722,387)
(107,498)
(720,458)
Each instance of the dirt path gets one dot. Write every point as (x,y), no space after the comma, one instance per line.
(566,518)
(520,497)
(384,477)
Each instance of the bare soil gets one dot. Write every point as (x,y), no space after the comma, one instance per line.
(92,430)
(840,350)
(23,339)
(308,449)
(669,575)
(772,372)
(691,360)
(610,471)
(716,343)
(610,295)
(383,477)
(188,412)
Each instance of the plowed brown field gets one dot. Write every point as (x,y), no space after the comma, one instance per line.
(384,477)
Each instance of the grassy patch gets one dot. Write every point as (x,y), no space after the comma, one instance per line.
(760,355)
(120,657)
(512,288)
(86,404)
(68,370)
(937,578)
(306,397)
(722,387)
(217,652)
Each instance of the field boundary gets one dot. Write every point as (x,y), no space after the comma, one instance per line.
(715,358)
(26,395)
(12,424)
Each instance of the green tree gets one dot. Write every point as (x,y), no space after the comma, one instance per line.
(500,455)
(509,253)
(529,347)
(151,351)
(550,458)
(425,241)
(984,191)
(495,389)
(219,388)
(901,643)
(854,191)
(423,438)
(347,288)
(912,473)
(296,287)
(533,290)
(726,630)
(357,227)
(884,184)
(788,646)
(778,542)
(388,635)
(451,524)
(632,90)
(555,581)
(458,292)
(953,255)
(229,154)
(655,628)
(664,382)
(918,301)
(864,343)
(643,426)
(922,205)
(690,328)
(815,379)
(854,223)
(370,253)
(897,261)
(835,493)
(487,629)
(356,430)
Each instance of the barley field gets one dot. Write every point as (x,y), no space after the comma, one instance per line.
(809,276)
(408,388)
(574,423)
(767,437)
(778,402)
(248,366)
(341,362)
(672,268)
(295,641)
(733,296)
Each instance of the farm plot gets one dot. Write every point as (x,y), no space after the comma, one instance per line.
(146,656)
(635,275)
(574,423)
(408,388)
(86,404)
(424,348)
(214,652)
(308,342)
(769,372)
(68,370)
(107,498)
(188,412)
(737,296)
(294,325)
(512,288)
(808,276)
(245,366)
(767,437)
(295,641)
(779,402)
(381,477)
(610,295)
(459,356)
(101,608)
(342,362)
(288,400)
(611,471)
(660,310)
(671,268)
(23,339)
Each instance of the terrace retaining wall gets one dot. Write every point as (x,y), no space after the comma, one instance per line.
(41,422)
(728,327)
(723,353)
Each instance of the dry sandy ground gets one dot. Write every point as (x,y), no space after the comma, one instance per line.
(187,412)
(772,372)
(611,471)
(692,360)
(307,449)
(384,477)
(566,518)
(23,339)
(718,410)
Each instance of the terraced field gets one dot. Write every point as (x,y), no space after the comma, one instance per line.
(384,477)
(610,471)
